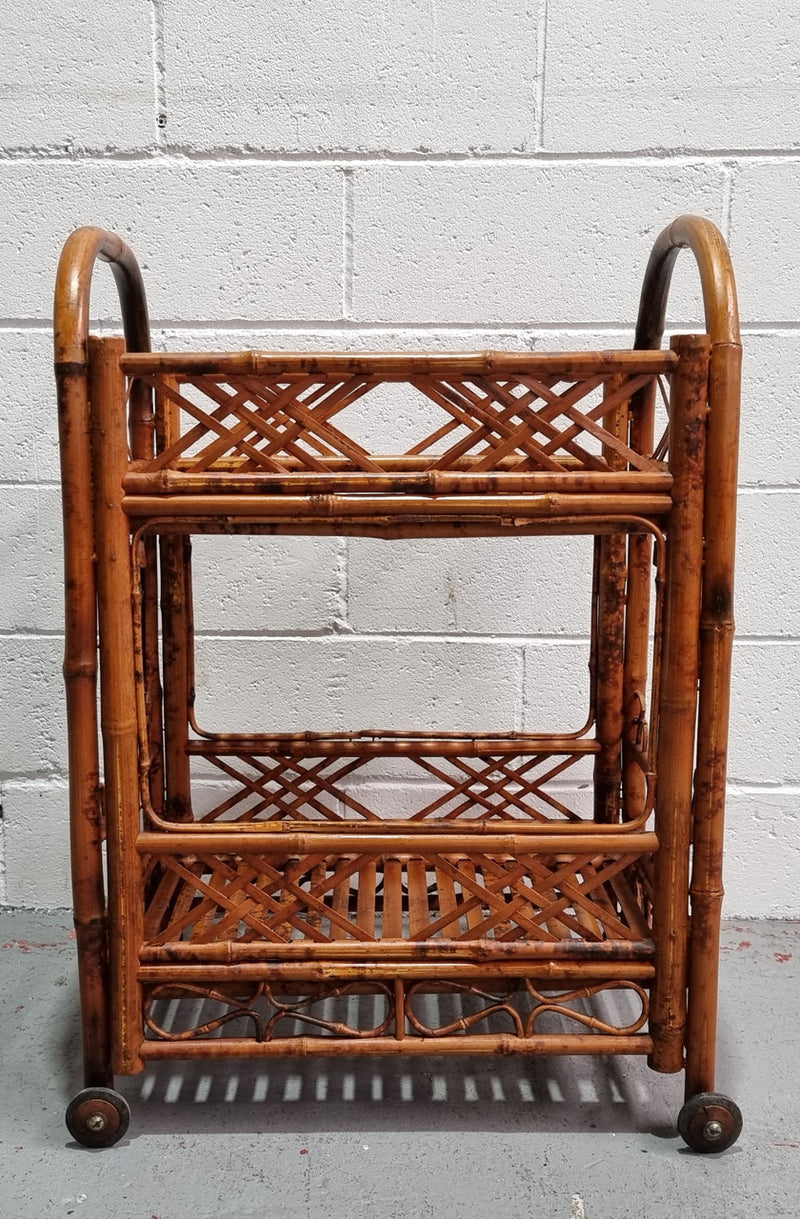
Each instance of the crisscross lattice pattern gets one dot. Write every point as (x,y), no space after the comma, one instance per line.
(271,423)
(336,788)
(367,897)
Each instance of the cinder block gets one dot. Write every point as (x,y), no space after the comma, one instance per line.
(32,696)
(767,577)
(341,683)
(265,583)
(556,687)
(32,559)
(765,712)
(215,240)
(37,844)
(483,586)
(405,77)
(78,76)
(770,439)
(763,241)
(646,78)
(28,421)
(762,854)
(521,244)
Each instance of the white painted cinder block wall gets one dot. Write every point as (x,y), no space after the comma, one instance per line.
(426,173)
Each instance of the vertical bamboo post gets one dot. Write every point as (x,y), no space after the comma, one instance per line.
(722,322)
(716,635)
(176,641)
(678,701)
(637,618)
(118,699)
(80,677)
(610,639)
(143,438)
(175,559)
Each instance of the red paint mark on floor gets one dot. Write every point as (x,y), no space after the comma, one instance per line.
(303,1151)
(30,945)
(783,957)
(795,1145)
(745,944)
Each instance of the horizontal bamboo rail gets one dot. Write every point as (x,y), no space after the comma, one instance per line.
(390,744)
(551,504)
(502,524)
(403,364)
(434,482)
(328,1047)
(385,954)
(254,838)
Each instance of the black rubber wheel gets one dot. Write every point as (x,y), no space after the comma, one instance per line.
(97,1117)
(710,1122)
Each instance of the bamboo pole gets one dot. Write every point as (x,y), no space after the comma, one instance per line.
(610,634)
(118,699)
(715,671)
(249,838)
(175,575)
(431,958)
(299,507)
(170,482)
(328,1047)
(554,973)
(71,320)
(402,364)
(679,701)
(637,626)
(716,640)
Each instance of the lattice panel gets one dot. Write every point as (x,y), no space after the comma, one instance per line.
(295,421)
(336,788)
(366,898)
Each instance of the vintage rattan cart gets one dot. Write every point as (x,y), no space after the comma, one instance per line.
(292,916)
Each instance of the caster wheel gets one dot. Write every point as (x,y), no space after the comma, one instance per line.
(97,1117)
(710,1122)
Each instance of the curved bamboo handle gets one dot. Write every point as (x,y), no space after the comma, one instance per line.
(73,283)
(716,277)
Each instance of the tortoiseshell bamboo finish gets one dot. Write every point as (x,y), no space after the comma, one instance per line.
(289,912)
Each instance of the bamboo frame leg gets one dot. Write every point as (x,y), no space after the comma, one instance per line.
(80,675)
(610,640)
(71,321)
(118,700)
(722,323)
(176,574)
(716,641)
(637,623)
(678,703)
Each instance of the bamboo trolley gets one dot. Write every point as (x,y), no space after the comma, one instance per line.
(293,918)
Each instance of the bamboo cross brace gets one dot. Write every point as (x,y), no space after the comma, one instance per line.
(482,422)
(279,774)
(532,420)
(312,419)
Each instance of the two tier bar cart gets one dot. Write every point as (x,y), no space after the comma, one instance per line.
(291,914)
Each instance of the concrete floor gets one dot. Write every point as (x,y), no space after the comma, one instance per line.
(450,1139)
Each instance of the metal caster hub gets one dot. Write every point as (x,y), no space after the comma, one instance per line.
(97,1117)
(710,1122)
